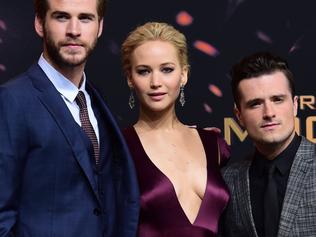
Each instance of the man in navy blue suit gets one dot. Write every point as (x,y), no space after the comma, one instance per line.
(55,180)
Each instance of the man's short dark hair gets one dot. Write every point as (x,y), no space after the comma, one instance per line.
(256,65)
(41,7)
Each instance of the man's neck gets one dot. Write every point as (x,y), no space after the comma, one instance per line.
(72,73)
(271,151)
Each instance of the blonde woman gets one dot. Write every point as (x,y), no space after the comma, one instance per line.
(178,168)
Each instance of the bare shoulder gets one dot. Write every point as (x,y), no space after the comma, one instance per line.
(192,134)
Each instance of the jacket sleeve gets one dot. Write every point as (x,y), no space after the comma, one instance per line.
(12,146)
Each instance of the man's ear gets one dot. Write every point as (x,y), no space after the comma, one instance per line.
(38,25)
(100,28)
(295,105)
(238,115)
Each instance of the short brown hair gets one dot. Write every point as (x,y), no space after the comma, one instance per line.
(41,7)
(256,65)
(154,31)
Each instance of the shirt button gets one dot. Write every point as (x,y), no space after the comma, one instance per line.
(97,211)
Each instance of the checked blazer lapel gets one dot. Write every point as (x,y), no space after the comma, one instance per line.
(243,198)
(53,102)
(295,187)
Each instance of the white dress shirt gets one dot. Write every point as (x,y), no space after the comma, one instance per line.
(68,91)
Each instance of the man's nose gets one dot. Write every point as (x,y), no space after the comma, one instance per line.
(269,110)
(73,28)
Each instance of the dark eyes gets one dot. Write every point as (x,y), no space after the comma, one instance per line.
(65,17)
(85,19)
(254,104)
(142,72)
(257,103)
(167,69)
(145,71)
(61,17)
(278,99)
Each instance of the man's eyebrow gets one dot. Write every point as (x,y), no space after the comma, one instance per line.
(59,13)
(90,15)
(278,96)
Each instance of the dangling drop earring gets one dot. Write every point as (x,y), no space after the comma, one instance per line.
(131,100)
(182,99)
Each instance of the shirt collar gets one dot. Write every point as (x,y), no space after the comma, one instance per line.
(283,161)
(64,86)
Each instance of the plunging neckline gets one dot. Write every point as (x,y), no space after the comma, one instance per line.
(174,194)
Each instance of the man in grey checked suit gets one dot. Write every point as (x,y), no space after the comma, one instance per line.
(266,106)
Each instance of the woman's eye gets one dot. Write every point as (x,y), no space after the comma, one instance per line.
(142,71)
(167,69)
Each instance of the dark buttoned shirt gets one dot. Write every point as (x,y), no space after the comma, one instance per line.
(257,176)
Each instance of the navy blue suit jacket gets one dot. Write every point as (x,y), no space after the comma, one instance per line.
(48,185)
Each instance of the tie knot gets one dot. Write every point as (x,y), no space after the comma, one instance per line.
(81,100)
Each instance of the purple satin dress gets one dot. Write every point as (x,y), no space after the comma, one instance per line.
(160,212)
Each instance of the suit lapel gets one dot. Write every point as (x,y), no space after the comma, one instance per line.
(295,186)
(122,161)
(114,133)
(53,102)
(243,196)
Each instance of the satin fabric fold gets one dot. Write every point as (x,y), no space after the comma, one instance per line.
(161,213)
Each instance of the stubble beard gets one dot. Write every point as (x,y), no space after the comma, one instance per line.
(69,61)
(276,141)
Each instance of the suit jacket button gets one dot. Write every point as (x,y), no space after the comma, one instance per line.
(97,211)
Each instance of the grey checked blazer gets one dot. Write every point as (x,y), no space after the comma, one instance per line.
(298,215)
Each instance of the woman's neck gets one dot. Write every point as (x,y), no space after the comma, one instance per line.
(162,120)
